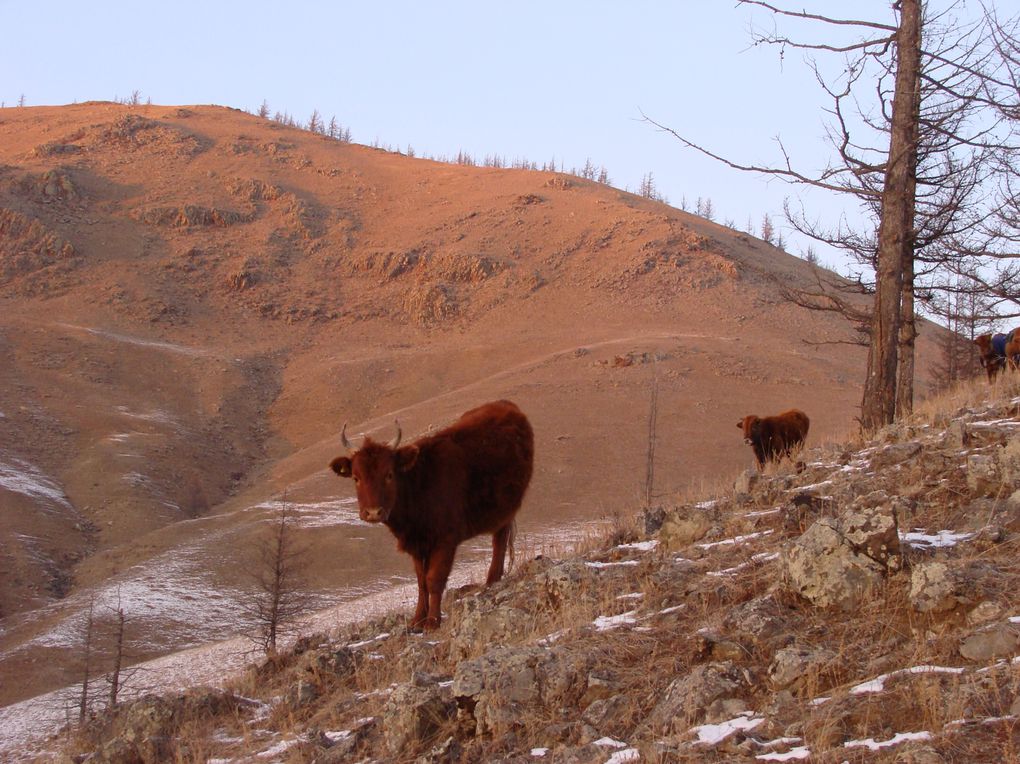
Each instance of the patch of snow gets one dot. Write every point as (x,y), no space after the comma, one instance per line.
(736,539)
(320,514)
(781,741)
(25,478)
(811,487)
(607,622)
(155,415)
(548,639)
(640,546)
(706,504)
(624,756)
(996,423)
(940,540)
(899,737)
(672,609)
(798,752)
(821,701)
(337,737)
(763,512)
(878,683)
(634,596)
(712,734)
(367,642)
(620,564)
(755,559)
(608,742)
(539,752)
(279,748)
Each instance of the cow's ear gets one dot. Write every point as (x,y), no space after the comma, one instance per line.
(740,425)
(341,466)
(407,457)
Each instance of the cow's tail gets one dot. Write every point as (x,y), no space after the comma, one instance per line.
(511,549)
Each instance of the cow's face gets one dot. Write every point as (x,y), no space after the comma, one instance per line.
(751,425)
(376,470)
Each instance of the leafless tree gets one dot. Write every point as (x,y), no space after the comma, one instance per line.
(87,650)
(264,109)
(916,159)
(278,598)
(315,122)
(653,417)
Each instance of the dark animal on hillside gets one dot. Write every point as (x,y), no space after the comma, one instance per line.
(1012,349)
(460,482)
(774,437)
(992,349)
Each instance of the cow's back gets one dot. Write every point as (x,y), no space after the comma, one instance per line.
(492,451)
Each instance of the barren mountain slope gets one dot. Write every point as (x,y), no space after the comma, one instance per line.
(193,301)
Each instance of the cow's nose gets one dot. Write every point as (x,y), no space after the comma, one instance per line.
(371,515)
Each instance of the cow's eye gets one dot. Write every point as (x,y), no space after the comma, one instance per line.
(389,477)
(356,479)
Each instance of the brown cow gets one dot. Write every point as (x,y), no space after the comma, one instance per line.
(774,437)
(993,350)
(460,482)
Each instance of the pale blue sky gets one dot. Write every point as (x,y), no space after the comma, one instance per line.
(528,79)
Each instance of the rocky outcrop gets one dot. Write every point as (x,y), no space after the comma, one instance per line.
(840,560)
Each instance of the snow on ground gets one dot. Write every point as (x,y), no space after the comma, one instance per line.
(26,724)
(713,734)
(938,540)
(735,540)
(607,622)
(624,756)
(878,683)
(639,546)
(899,737)
(795,753)
(319,514)
(20,476)
(756,559)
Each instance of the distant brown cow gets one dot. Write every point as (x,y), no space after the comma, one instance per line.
(445,488)
(993,350)
(774,437)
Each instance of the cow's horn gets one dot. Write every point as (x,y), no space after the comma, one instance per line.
(343,438)
(396,440)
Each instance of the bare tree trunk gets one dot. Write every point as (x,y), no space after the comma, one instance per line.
(83,699)
(908,334)
(118,658)
(653,415)
(895,237)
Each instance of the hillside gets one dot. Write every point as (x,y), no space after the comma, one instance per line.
(193,300)
(862,607)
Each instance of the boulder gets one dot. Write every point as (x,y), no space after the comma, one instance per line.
(494,689)
(793,667)
(481,624)
(983,476)
(415,712)
(999,641)
(838,560)
(706,694)
(935,588)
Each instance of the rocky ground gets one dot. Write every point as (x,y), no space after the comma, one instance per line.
(859,605)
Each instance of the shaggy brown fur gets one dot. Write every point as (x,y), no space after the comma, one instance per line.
(445,488)
(774,437)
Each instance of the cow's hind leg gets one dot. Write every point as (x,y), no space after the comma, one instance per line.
(421,609)
(440,564)
(500,541)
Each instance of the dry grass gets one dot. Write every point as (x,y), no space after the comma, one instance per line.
(686,604)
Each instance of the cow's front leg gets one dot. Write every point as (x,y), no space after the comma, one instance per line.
(422,607)
(440,563)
